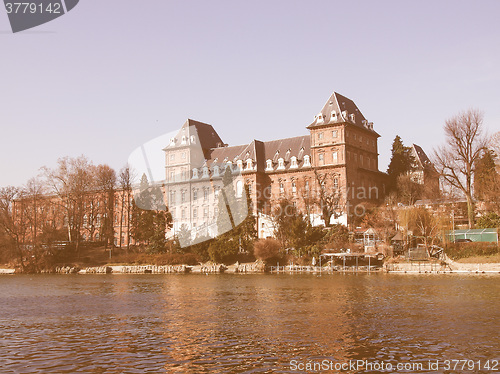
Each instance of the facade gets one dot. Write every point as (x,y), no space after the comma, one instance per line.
(327,174)
(336,163)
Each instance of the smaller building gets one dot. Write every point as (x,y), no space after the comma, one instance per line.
(473,235)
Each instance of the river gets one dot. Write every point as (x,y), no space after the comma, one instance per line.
(251,323)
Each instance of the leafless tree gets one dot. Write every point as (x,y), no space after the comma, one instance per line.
(455,160)
(329,196)
(71,181)
(12,223)
(104,187)
(125,180)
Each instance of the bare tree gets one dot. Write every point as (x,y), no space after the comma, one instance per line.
(125,180)
(12,223)
(72,182)
(329,196)
(104,185)
(455,160)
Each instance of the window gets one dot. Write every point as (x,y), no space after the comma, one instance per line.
(205,172)
(294,187)
(307,161)
(172,157)
(249,164)
(172,176)
(183,155)
(249,184)
(205,194)
(183,213)
(205,212)
(282,188)
(195,194)
(195,173)
(269,165)
(354,136)
(281,163)
(321,158)
(216,211)
(195,213)
(216,191)
(320,135)
(335,134)
(335,183)
(172,197)
(216,171)
(361,138)
(307,186)
(334,157)
(239,188)
(183,196)
(293,162)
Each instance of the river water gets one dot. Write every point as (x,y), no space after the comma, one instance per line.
(230,323)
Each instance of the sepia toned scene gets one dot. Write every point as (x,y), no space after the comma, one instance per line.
(250,188)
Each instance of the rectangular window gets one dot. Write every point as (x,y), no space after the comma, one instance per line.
(205,212)
(172,157)
(195,194)
(320,135)
(335,134)
(334,157)
(205,194)
(321,158)
(195,213)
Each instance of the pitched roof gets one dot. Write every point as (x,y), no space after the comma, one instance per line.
(343,109)
(421,158)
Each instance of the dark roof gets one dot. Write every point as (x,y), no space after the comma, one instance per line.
(343,108)
(421,158)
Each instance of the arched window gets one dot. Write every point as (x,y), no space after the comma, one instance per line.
(269,165)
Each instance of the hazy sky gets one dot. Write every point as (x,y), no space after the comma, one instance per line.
(113,74)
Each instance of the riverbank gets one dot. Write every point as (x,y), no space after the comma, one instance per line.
(258,267)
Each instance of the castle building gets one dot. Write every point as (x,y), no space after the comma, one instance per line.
(332,169)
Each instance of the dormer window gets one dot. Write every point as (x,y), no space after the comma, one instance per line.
(195,173)
(319,118)
(293,163)
(333,116)
(249,164)
(301,153)
(239,164)
(307,161)
(205,172)
(269,165)
(216,170)
(192,139)
(281,163)
(183,140)
(172,141)
(353,117)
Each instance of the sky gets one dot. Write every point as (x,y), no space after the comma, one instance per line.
(113,74)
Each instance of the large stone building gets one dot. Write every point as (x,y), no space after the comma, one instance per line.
(334,166)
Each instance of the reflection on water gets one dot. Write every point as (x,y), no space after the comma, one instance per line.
(241,323)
